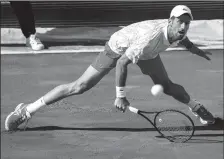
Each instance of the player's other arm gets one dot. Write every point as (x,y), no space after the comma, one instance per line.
(194,49)
(121,75)
(131,55)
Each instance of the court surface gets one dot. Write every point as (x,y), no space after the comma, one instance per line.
(88,126)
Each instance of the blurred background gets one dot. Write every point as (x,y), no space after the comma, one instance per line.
(73,23)
(107,13)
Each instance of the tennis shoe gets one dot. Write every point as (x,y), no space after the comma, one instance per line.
(203,114)
(34,43)
(17,117)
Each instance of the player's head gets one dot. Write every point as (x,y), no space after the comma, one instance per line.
(179,21)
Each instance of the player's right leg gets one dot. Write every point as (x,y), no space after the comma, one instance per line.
(94,73)
(156,70)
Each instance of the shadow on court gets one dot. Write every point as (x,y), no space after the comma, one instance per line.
(217,126)
(197,138)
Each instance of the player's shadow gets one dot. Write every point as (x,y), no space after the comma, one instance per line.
(198,138)
(52,128)
(218,126)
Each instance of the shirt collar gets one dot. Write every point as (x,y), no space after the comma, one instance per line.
(165,39)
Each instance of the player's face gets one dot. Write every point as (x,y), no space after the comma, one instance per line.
(179,27)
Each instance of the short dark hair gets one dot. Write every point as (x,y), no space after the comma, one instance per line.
(180,15)
(187,15)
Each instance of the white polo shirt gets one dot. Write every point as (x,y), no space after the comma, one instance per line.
(141,41)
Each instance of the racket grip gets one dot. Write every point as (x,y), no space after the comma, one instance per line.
(132,109)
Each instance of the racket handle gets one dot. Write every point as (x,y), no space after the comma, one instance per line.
(134,110)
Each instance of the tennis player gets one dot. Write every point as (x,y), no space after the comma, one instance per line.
(139,43)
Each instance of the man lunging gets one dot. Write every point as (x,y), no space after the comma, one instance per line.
(139,43)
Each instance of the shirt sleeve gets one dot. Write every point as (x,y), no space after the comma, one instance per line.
(133,53)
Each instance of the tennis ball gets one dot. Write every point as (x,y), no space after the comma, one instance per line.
(157,90)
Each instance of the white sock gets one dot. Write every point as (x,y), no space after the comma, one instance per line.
(193,104)
(33,107)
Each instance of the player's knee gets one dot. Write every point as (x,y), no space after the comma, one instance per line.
(77,88)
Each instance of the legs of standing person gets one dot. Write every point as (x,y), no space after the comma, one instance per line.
(156,70)
(25,16)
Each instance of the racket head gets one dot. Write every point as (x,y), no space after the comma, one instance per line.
(174,125)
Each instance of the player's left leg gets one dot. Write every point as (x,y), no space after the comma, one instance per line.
(156,70)
(102,65)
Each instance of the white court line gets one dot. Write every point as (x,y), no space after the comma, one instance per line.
(50,51)
(211,71)
(100,49)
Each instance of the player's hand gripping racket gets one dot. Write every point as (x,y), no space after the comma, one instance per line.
(172,124)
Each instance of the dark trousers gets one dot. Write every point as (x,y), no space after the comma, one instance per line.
(25,16)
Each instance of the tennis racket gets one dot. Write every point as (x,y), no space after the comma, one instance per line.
(172,124)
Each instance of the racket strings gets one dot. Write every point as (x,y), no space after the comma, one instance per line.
(174,126)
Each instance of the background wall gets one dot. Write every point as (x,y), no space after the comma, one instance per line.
(107,13)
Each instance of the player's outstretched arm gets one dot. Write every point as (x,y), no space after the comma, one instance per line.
(194,49)
(121,70)
(121,75)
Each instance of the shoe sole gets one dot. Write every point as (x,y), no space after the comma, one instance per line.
(39,49)
(7,118)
